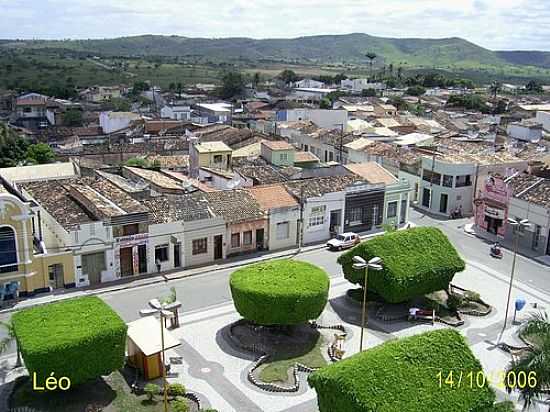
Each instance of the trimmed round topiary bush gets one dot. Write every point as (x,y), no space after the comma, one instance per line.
(280,292)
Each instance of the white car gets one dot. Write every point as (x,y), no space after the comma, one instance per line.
(344,241)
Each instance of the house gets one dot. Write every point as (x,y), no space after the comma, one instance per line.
(323,118)
(305,160)
(26,265)
(526,130)
(283,214)
(98,94)
(111,122)
(213,155)
(30,111)
(309,83)
(246,222)
(202,234)
(56,109)
(396,193)
(385,110)
(220,179)
(176,112)
(158,182)
(365,150)
(309,94)
(358,85)
(544,119)
(414,139)
(278,153)
(214,112)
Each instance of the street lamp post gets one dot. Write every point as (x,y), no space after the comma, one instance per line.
(517,226)
(163,312)
(361,264)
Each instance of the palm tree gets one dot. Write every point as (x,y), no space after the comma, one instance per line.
(494,88)
(371,56)
(10,337)
(534,360)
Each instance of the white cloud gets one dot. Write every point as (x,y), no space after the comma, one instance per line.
(506,24)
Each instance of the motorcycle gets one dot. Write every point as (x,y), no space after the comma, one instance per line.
(496,252)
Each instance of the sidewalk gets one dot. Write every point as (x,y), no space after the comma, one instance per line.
(151,279)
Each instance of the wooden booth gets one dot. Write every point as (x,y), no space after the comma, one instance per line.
(144,346)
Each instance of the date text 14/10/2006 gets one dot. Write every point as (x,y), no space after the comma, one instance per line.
(480,379)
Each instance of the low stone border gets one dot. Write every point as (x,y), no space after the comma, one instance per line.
(264,357)
(472,312)
(193,398)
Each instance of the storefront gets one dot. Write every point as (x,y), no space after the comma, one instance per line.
(491,207)
(131,255)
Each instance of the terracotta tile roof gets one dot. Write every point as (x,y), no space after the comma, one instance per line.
(317,187)
(261,175)
(88,131)
(278,145)
(156,126)
(272,196)
(234,205)
(372,172)
(304,157)
(185,208)
(156,178)
(538,194)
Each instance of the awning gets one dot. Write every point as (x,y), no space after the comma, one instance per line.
(494,212)
(145,333)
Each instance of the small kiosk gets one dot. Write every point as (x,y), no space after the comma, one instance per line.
(145,346)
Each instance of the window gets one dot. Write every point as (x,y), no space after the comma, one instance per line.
(448,181)
(200,246)
(161,253)
(392,209)
(8,246)
(356,216)
(283,231)
(432,177)
(218,158)
(247,238)
(316,220)
(318,210)
(128,230)
(27,110)
(463,181)
(235,240)
(283,157)
(330,156)
(403,211)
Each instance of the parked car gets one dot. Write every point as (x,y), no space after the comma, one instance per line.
(344,241)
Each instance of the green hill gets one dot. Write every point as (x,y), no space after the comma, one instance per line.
(348,48)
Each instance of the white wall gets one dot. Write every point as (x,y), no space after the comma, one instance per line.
(521,132)
(332,201)
(280,215)
(206,228)
(544,119)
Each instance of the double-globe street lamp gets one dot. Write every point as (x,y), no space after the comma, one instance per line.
(361,264)
(163,310)
(518,226)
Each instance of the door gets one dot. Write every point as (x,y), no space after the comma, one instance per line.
(260,239)
(443,203)
(177,255)
(92,265)
(55,273)
(218,247)
(426,197)
(334,220)
(142,258)
(126,262)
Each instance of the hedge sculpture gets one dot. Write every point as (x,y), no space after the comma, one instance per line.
(416,261)
(402,375)
(280,292)
(81,339)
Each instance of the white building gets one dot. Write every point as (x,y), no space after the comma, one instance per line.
(324,118)
(309,83)
(176,112)
(527,130)
(358,85)
(544,119)
(309,94)
(111,122)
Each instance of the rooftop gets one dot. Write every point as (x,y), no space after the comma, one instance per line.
(39,172)
(372,172)
(157,178)
(538,194)
(234,205)
(305,157)
(272,196)
(216,107)
(317,187)
(209,147)
(261,175)
(184,208)
(277,145)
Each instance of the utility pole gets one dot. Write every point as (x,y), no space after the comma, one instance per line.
(301,226)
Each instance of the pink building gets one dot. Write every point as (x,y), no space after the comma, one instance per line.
(491,206)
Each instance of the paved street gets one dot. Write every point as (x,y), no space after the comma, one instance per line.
(207,308)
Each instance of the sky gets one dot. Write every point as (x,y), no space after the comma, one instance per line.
(494,24)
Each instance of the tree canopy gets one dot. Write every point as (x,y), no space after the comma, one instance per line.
(232,85)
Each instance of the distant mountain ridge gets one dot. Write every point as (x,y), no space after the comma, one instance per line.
(313,49)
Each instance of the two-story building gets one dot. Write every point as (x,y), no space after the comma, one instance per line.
(278,153)
(213,155)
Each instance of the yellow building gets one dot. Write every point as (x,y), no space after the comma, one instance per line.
(24,261)
(213,155)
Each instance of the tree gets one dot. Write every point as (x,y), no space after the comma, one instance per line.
(13,148)
(371,56)
(151,390)
(534,87)
(179,89)
(368,93)
(325,103)
(172,86)
(10,337)
(494,88)
(40,153)
(256,79)
(399,103)
(232,85)
(534,360)
(72,118)
(288,76)
(415,91)
(400,73)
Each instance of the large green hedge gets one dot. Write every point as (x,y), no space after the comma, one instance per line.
(280,292)
(79,338)
(401,375)
(416,261)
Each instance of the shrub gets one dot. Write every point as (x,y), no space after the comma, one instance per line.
(401,375)
(151,390)
(416,261)
(176,389)
(81,339)
(179,405)
(454,302)
(280,292)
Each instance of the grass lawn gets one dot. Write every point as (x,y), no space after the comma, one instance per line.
(277,370)
(111,394)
